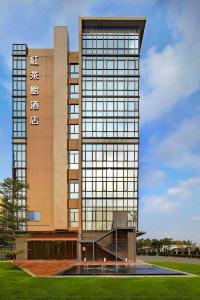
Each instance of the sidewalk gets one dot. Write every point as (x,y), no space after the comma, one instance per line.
(188,260)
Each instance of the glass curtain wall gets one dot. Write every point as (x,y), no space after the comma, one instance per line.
(110,113)
(19,117)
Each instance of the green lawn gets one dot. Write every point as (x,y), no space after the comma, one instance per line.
(16,284)
(189,268)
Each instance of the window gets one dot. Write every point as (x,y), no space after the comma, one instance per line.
(74,91)
(73,131)
(19,65)
(113,127)
(34,216)
(109,109)
(19,155)
(74,111)
(74,217)
(73,159)
(19,107)
(19,127)
(19,120)
(19,49)
(74,70)
(109,181)
(19,86)
(73,189)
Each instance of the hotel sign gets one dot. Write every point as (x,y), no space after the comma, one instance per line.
(34,60)
(34,90)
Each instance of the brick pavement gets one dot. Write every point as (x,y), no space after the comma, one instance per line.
(53,267)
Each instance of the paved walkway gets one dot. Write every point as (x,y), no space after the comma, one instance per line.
(187,260)
(45,267)
(53,267)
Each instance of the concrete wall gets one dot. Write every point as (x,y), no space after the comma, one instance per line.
(39,141)
(60,128)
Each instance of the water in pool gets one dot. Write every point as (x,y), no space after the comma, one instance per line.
(119,270)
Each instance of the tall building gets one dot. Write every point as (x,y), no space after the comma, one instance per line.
(76,139)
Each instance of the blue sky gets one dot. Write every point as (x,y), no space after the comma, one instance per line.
(170,93)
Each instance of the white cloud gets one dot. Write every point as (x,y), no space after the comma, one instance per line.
(172,74)
(151,178)
(185,191)
(196,218)
(159,204)
(181,147)
(32,22)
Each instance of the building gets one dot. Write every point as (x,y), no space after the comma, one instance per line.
(76,139)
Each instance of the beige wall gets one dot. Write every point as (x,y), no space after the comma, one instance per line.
(73,144)
(60,128)
(39,141)
(47,143)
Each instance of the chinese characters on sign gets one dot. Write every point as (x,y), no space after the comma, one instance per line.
(35,90)
(34,75)
(34,60)
(34,105)
(34,120)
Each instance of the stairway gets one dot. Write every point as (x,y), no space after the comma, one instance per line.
(105,241)
(111,238)
(110,248)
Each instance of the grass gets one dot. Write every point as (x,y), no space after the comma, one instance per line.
(16,284)
(189,268)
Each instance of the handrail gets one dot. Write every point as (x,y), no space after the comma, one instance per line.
(112,248)
(114,224)
(93,233)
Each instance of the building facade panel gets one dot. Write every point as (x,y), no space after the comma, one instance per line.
(40,139)
(110,96)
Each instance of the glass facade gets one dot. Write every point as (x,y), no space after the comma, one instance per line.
(19,53)
(110,110)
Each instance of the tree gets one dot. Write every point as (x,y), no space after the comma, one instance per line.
(156,245)
(12,215)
